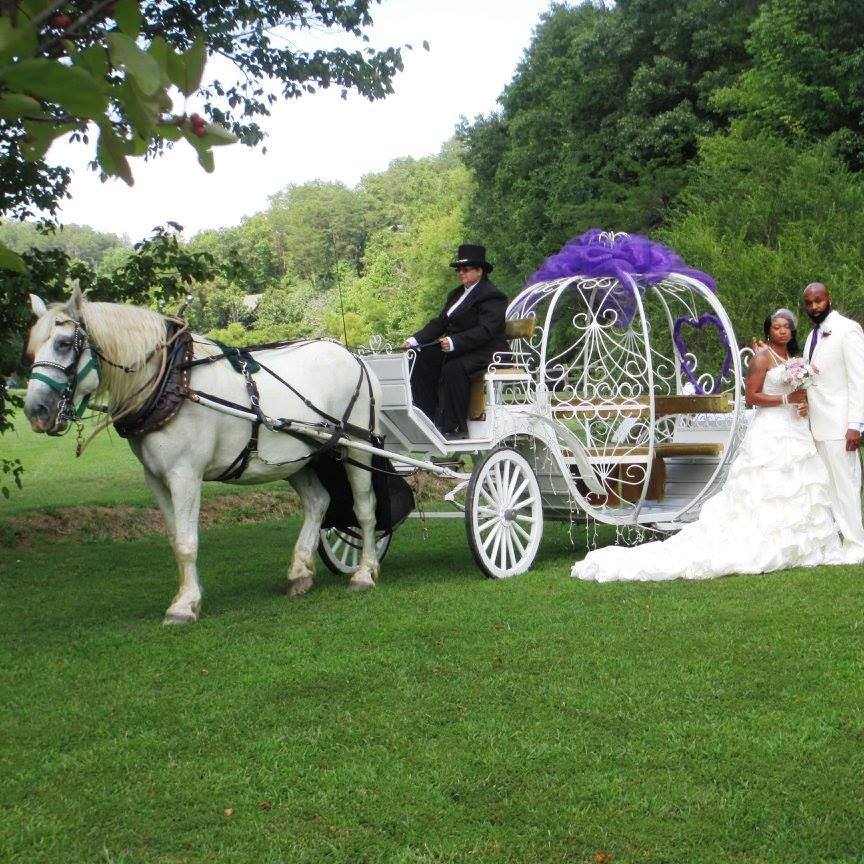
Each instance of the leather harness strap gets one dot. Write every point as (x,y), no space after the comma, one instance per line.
(244,362)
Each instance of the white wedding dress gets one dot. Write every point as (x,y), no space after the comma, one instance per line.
(773,512)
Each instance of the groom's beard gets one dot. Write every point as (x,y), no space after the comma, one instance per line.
(818,319)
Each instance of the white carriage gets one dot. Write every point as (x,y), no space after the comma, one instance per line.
(619,401)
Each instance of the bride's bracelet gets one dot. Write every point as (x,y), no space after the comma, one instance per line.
(784,399)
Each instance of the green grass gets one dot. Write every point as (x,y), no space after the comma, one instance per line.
(440,718)
(107,473)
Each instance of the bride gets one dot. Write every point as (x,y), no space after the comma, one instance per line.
(773,512)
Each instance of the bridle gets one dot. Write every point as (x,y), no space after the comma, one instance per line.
(66,410)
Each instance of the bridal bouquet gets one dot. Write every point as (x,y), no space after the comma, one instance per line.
(798,373)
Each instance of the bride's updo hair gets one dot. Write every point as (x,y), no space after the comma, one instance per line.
(787,315)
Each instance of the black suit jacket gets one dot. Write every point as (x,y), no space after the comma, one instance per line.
(477,326)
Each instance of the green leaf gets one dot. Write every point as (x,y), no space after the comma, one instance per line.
(137,63)
(94,59)
(186,70)
(217,136)
(71,87)
(40,135)
(111,155)
(32,8)
(15,105)
(16,41)
(141,111)
(159,51)
(10,261)
(128,17)
(206,161)
(205,155)
(170,131)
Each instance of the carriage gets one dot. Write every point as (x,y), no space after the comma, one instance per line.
(619,401)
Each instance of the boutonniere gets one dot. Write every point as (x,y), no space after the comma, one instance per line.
(825,331)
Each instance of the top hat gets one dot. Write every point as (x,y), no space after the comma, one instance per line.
(470,255)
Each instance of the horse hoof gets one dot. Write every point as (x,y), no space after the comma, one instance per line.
(362,584)
(297,587)
(172,618)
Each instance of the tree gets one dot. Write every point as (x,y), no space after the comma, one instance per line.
(765,218)
(805,82)
(111,63)
(158,270)
(69,68)
(601,122)
(314,226)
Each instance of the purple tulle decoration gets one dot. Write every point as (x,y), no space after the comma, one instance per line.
(633,260)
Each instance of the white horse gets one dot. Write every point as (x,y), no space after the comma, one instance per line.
(116,352)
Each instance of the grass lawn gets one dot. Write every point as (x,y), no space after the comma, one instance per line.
(440,718)
(106,473)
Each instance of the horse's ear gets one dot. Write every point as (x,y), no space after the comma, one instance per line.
(76,303)
(37,304)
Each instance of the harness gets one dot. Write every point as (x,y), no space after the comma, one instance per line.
(169,393)
(172,388)
(246,364)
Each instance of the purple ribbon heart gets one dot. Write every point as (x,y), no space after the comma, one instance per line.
(706,319)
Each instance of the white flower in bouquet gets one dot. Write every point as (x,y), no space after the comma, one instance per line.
(798,373)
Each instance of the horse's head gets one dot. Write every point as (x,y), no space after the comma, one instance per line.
(64,368)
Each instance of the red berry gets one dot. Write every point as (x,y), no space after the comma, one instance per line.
(195,119)
(61,21)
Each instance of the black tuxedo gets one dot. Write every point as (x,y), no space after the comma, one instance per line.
(476,328)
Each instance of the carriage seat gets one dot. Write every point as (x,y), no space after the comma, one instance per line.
(516,328)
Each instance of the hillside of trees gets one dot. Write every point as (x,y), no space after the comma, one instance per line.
(731,131)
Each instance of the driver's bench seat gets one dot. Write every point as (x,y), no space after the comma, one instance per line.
(516,328)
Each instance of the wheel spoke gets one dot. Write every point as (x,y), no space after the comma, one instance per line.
(488,490)
(487,542)
(517,544)
(509,554)
(517,492)
(525,502)
(493,555)
(485,526)
(515,477)
(521,531)
(486,511)
(495,481)
(504,475)
(502,552)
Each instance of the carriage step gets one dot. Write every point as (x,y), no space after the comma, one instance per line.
(454,462)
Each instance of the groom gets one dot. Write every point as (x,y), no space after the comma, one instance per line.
(836,402)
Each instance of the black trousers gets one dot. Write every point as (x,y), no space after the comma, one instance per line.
(441,387)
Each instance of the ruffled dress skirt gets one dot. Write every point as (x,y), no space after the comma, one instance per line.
(772,513)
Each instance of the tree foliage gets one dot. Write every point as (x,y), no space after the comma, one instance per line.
(766,218)
(806,81)
(601,122)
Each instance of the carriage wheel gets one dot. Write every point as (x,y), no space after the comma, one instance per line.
(504,514)
(340,551)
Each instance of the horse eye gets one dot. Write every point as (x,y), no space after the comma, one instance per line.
(63,344)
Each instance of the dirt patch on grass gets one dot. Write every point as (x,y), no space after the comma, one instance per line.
(130,523)
(80,524)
